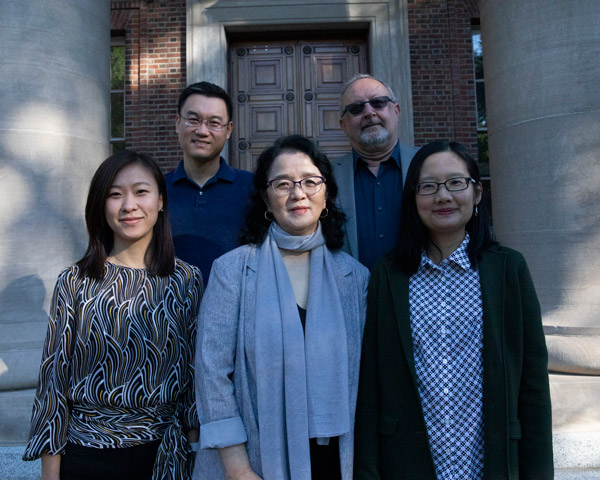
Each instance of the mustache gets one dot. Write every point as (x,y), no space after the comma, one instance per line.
(369,123)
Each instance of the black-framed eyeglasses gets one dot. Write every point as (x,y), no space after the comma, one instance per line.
(377,103)
(284,186)
(211,124)
(455,184)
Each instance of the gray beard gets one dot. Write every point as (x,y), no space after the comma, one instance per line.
(371,140)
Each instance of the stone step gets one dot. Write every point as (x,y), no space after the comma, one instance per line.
(575,403)
(576,421)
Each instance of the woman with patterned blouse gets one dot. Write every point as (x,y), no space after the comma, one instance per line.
(115,397)
(453,379)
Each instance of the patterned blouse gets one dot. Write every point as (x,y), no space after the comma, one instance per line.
(124,376)
(446,319)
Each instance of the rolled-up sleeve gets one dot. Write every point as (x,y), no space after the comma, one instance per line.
(220,420)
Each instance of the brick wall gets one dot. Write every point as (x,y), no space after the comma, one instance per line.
(156,73)
(441,67)
(442,70)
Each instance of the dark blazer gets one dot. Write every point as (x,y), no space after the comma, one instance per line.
(390,434)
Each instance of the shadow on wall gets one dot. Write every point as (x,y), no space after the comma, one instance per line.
(23,324)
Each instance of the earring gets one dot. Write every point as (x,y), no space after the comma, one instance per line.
(476,210)
(326,210)
(266,215)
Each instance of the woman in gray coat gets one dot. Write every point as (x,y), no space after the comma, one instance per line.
(280,332)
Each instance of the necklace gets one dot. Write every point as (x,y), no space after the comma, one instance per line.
(125,263)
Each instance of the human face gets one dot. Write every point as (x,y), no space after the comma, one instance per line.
(132,207)
(446,214)
(201,145)
(373,130)
(296,213)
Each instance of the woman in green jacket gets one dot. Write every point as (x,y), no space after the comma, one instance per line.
(453,381)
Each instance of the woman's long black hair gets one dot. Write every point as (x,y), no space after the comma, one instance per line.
(413,236)
(160,256)
(256,225)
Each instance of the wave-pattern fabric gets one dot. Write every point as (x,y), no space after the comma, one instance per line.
(117,364)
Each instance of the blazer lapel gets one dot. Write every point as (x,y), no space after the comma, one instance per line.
(344,176)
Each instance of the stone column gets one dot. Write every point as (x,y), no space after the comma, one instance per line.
(543,105)
(54,131)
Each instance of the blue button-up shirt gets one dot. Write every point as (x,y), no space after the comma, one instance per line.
(377,202)
(206,221)
(446,319)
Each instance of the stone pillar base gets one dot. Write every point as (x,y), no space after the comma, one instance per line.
(575,420)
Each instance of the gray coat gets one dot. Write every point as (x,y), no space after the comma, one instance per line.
(343,170)
(225,364)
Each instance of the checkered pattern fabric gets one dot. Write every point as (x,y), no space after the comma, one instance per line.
(446,322)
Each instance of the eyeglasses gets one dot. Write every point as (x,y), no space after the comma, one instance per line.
(356,108)
(309,185)
(213,125)
(455,184)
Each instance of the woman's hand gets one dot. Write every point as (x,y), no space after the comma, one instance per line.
(51,467)
(236,463)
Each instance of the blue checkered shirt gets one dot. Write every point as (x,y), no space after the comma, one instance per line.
(447,333)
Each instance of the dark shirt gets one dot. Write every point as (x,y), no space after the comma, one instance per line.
(206,220)
(377,203)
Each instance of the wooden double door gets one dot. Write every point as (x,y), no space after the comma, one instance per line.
(290,87)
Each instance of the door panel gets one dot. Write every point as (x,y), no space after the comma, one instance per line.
(286,87)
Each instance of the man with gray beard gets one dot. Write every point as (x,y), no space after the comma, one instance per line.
(371,178)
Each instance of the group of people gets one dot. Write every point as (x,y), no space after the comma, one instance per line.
(359,319)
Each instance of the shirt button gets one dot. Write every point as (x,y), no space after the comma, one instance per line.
(445,361)
(446,390)
(378,184)
(200,192)
(379,209)
(381,235)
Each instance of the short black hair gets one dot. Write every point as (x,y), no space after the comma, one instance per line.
(413,236)
(208,90)
(160,256)
(256,225)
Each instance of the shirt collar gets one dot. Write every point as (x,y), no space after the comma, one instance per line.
(458,257)
(395,155)
(225,172)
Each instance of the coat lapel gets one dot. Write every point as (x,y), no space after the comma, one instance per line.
(398,284)
(491,273)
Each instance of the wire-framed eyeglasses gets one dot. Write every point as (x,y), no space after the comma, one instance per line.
(309,185)
(455,184)
(211,124)
(377,103)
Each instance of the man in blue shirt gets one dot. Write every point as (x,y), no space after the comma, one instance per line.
(370,179)
(207,198)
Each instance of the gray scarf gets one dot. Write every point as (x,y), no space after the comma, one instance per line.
(301,377)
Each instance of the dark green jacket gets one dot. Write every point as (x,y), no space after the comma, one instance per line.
(390,434)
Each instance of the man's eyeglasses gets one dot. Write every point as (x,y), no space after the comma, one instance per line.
(213,125)
(456,184)
(377,103)
(309,185)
